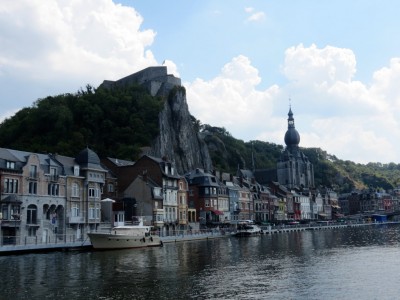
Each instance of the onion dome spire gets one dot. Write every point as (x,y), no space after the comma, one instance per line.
(292,137)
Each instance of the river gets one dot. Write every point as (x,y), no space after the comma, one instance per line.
(349,263)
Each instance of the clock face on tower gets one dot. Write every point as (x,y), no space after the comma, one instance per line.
(291,122)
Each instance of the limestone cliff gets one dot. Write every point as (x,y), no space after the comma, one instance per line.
(178,139)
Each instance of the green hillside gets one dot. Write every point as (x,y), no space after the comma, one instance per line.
(114,122)
(229,153)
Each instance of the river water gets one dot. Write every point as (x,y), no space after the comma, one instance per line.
(349,263)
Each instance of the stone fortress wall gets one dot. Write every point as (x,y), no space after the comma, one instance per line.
(155,79)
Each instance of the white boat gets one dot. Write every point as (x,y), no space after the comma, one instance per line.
(125,236)
(247,228)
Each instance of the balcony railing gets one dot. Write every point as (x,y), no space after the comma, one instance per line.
(33,175)
(75,220)
(54,178)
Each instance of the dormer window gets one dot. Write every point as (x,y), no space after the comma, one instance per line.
(33,171)
(76,170)
(53,174)
(10,165)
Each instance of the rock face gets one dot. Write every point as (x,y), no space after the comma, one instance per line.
(178,141)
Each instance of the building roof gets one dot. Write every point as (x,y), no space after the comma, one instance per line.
(87,158)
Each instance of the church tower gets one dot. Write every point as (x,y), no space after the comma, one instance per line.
(294,170)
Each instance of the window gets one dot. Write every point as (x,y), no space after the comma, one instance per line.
(94,193)
(76,170)
(31,214)
(110,188)
(75,210)
(32,231)
(92,212)
(33,171)
(4,211)
(75,190)
(53,189)
(33,187)
(207,203)
(10,165)
(10,186)
(53,174)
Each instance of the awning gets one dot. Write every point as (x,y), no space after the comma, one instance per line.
(217,212)
(322,215)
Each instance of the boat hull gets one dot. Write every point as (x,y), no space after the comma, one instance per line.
(112,241)
(247,231)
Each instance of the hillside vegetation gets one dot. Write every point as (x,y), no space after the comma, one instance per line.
(114,122)
(229,154)
(120,121)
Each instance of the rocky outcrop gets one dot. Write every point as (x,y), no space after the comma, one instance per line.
(178,139)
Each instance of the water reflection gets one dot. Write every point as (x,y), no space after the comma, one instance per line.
(350,263)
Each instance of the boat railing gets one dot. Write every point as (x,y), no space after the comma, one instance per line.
(195,232)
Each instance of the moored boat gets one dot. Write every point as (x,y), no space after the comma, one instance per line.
(247,228)
(126,236)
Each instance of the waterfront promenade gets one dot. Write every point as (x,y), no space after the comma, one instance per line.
(181,236)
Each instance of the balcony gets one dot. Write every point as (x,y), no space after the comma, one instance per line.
(54,178)
(170,221)
(10,223)
(75,220)
(33,176)
(158,223)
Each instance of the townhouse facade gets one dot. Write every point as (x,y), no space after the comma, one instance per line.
(48,197)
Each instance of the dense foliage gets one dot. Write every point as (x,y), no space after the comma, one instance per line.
(114,122)
(118,122)
(229,154)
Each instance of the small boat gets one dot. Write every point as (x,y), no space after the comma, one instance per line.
(125,236)
(247,228)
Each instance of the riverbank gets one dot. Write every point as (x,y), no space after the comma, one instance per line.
(179,237)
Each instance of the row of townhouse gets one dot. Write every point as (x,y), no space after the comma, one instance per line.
(221,199)
(370,201)
(49,196)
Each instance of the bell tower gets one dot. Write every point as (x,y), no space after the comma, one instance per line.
(294,170)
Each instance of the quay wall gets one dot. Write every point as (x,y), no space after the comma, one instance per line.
(180,236)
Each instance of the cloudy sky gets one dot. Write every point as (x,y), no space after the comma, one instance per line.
(240,61)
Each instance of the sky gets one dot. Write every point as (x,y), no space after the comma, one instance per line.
(243,63)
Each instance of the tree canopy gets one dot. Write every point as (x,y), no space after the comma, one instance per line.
(115,122)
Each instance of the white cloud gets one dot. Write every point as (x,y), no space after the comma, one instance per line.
(59,46)
(171,67)
(255,16)
(231,100)
(316,66)
(345,117)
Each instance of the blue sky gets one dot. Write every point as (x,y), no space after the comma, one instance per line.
(240,61)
